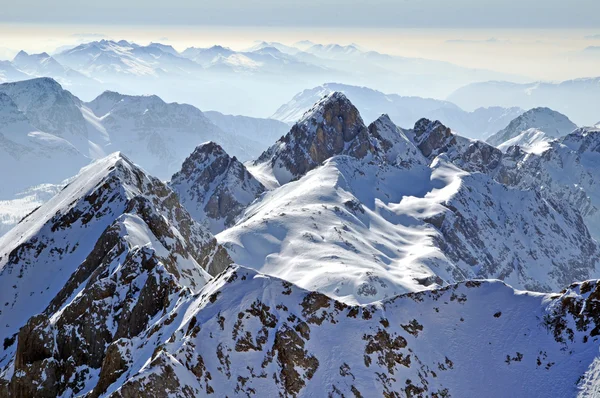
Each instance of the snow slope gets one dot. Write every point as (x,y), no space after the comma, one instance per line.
(552,123)
(565,172)
(531,140)
(390,211)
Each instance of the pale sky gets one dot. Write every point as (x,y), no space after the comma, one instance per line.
(323,13)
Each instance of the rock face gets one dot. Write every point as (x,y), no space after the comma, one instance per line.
(552,123)
(433,139)
(332,127)
(214,187)
(97,263)
(248,334)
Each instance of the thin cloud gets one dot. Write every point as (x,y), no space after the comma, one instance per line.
(491,40)
(88,35)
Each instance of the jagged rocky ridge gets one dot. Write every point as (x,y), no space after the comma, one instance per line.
(92,266)
(214,187)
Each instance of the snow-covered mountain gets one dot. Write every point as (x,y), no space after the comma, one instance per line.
(113,289)
(258,60)
(363,213)
(106,57)
(404,111)
(245,333)
(214,187)
(531,140)
(575,98)
(109,252)
(567,171)
(553,124)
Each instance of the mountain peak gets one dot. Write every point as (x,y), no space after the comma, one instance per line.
(432,137)
(554,124)
(20,54)
(215,187)
(325,130)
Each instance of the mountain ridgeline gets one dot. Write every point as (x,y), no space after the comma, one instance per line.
(341,262)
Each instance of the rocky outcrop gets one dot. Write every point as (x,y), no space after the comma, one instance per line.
(433,139)
(214,187)
(333,127)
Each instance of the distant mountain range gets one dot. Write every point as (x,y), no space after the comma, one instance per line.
(49,134)
(229,80)
(576,98)
(404,111)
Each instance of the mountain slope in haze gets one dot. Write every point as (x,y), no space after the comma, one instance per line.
(103,256)
(575,98)
(390,211)
(29,156)
(264,131)
(9,73)
(44,65)
(214,187)
(50,108)
(404,111)
(552,123)
(159,135)
(13,210)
